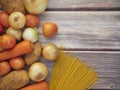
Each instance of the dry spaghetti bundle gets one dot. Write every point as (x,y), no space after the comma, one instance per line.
(71,74)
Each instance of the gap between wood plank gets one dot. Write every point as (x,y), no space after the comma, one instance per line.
(87,49)
(102,89)
(83,9)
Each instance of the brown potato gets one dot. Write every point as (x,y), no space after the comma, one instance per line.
(34,55)
(14,80)
(13,6)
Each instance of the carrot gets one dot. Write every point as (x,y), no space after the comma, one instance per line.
(7,42)
(24,47)
(43,85)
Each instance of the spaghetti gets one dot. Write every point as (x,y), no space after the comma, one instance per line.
(71,74)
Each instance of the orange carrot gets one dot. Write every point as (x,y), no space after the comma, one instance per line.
(7,42)
(43,85)
(21,48)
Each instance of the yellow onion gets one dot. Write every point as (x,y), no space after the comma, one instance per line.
(17,20)
(17,34)
(50,52)
(35,6)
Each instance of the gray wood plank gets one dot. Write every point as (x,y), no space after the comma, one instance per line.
(83,4)
(107,83)
(106,64)
(84,29)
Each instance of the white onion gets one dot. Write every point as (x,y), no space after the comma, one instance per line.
(38,71)
(31,34)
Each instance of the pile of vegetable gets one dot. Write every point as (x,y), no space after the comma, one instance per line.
(20,46)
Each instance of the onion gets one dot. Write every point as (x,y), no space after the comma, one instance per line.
(35,6)
(38,71)
(50,51)
(31,34)
(17,20)
(17,34)
(49,29)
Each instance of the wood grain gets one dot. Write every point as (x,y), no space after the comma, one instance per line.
(84,30)
(84,4)
(107,84)
(106,64)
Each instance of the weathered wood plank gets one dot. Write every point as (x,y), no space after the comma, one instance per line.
(107,83)
(83,4)
(84,29)
(106,64)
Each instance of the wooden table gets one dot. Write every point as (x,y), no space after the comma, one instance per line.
(91,30)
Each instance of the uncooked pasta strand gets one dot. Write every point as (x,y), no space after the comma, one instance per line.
(85,83)
(65,69)
(73,70)
(60,67)
(55,69)
(66,75)
(69,83)
(80,75)
(84,78)
(71,74)
(92,83)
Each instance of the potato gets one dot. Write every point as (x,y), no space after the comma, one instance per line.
(34,55)
(13,6)
(14,80)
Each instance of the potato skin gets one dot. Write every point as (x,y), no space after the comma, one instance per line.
(14,80)
(13,6)
(34,55)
